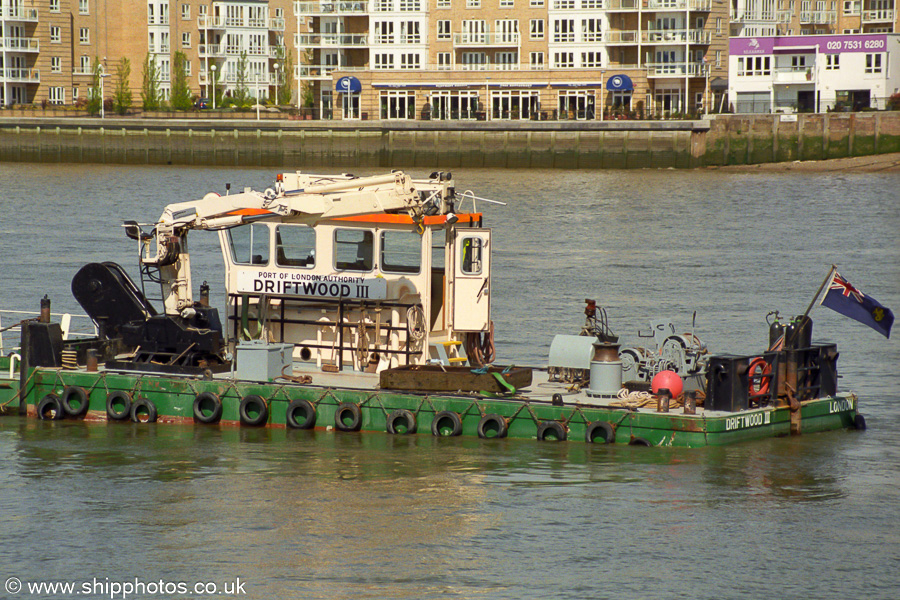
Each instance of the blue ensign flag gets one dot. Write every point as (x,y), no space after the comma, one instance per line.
(850,302)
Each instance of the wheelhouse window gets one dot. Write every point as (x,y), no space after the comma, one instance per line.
(471,250)
(401,252)
(249,244)
(295,246)
(354,250)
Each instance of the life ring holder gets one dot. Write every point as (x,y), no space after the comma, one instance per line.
(446,423)
(492,426)
(551,431)
(760,370)
(80,397)
(401,422)
(50,408)
(300,414)
(600,432)
(207,408)
(118,405)
(143,411)
(348,417)
(253,411)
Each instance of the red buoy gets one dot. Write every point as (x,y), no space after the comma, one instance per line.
(667,380)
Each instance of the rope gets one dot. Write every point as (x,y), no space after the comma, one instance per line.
(638,399)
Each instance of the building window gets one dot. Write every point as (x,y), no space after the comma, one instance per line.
(84,36)
(507,4)
(537,3)
(83,7)
(749,66)
(564,30)
(57,95)
(187,67)
(591,59)
(537,29)
(409,32)
(410,5)
(443,4)
(474,61)
(873,63)
(384,61)
(55,34)
(718,58)
(590,30)
(55,64)
(74,94)
(443,61)
(563,4)
(564,60)
(537,61)
(85,64)
(443,30)
(186,40)
(473,3)
(186,12)
(832,62)
(718,25)
(54,5)
(410,61)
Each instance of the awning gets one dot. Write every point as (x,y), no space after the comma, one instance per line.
(619,83)
(348,84)
(718,84)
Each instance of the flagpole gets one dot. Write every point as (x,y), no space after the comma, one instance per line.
(809,308)
(819,293)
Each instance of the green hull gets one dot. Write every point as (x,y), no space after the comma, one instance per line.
(365,410)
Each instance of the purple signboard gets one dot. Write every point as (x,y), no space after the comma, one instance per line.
(827,44)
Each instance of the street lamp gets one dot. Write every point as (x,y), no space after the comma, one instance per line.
(213,69)
(277,66)
(258,77)
(102,75)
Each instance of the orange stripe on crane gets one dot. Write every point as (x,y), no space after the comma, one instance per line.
(407,220)
(249,212)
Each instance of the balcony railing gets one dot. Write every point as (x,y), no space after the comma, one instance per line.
(330,8)
(762,16)
(20,13)
(485,39)
(211,50)
(785,75)
(622,4)
(878,16)
(675,69)
(21,44)
(276,24)
(21,75)
(318,40)
(663,5)
(208,22)
(615,37)
(818,17)
(676,36)
(82,71)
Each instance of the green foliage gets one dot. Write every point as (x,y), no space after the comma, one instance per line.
(94,94)
(150,95)
(181,93)
(284,89)
(122,97)
(242,91)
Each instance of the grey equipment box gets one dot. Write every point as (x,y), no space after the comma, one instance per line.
(258,360)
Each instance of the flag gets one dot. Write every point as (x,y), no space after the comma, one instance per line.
(842,297)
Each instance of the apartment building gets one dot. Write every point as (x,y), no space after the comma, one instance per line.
(509,59)
(787,56)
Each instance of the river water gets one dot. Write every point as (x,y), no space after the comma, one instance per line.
(286,514)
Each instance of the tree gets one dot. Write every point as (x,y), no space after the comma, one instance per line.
(181,92)
(94,95)
(242,92)
(122,96)
(150,87)
(284,89)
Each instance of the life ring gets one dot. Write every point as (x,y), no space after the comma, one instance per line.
(759,375)
(401,422)
(50,408)
(118,406)
(600,432)
(552,431)
(492,426)
(74,401)
(143,411)
(301,414)
(207,408)
(348,417)
(253,411)
(446,423)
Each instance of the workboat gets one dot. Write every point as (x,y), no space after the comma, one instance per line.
(364,304)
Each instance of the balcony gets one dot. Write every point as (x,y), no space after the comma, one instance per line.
(207,22)
(676,36)
(211,50)
(792,75)
(20,44)
(20,13)
(818,17)
(675,69)
(21,75)
(331,40)
(494,39)
(664,5)
(617,38)
(276,24)
(618,5)
(762,16)
(878,16)
(330,8)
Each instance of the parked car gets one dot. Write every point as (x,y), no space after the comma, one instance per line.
(202,103)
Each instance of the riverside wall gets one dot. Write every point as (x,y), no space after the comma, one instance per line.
(722,140)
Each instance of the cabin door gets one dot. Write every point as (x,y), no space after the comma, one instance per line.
(471,286)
